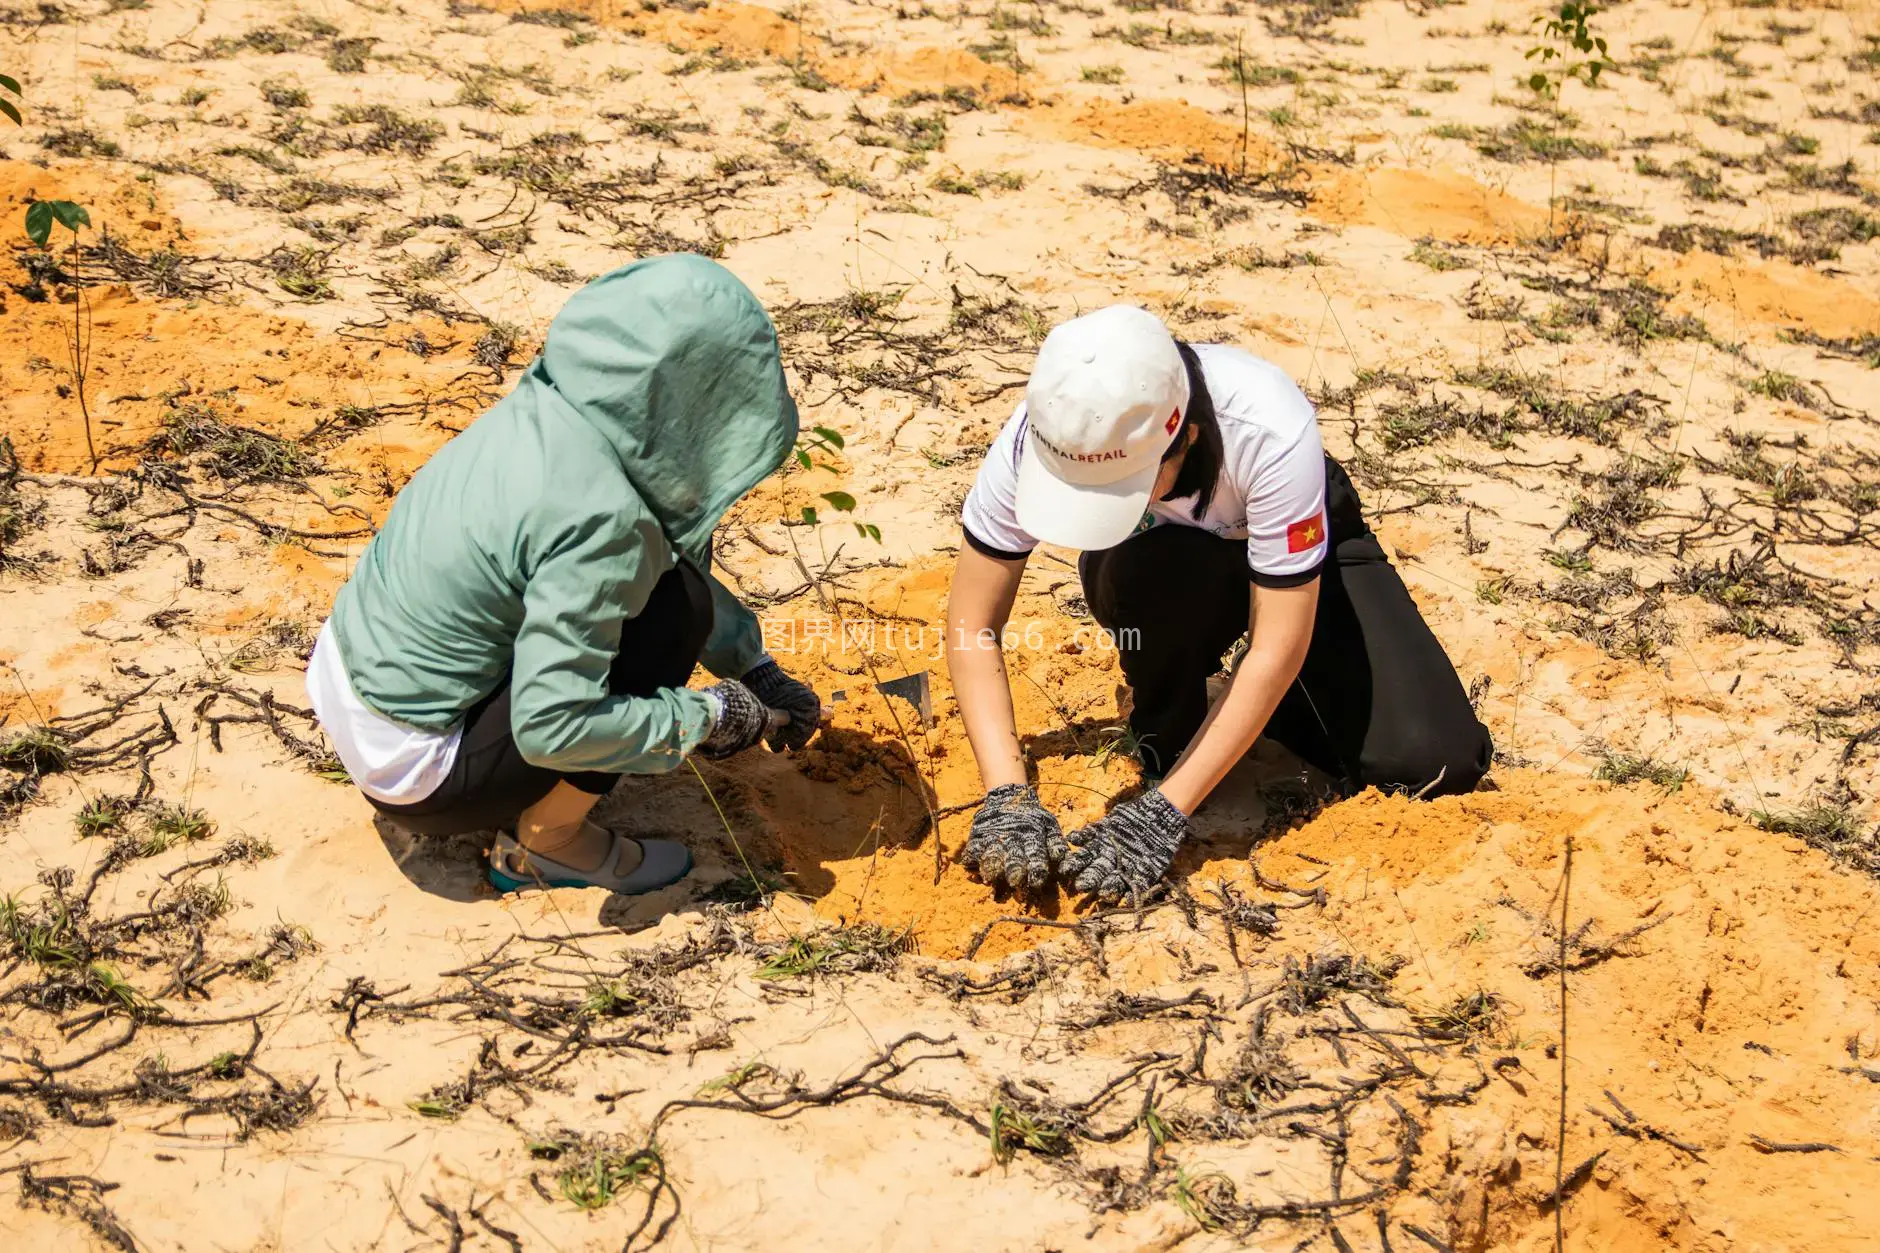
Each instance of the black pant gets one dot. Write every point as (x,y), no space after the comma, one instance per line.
(1377,702)
(490,783)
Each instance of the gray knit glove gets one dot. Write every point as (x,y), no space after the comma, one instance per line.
(1015,843)
(781,692)
(1124,854)
(741,721)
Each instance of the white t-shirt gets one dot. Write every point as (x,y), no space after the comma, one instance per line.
(396,764)
(1271,491)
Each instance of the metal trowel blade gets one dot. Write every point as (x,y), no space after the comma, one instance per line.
(916,689)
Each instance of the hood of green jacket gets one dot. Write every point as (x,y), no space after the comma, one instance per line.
(675,363)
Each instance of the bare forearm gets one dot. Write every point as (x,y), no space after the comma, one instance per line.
(1280,632)
(978,607)
(1235,722)
(984,693)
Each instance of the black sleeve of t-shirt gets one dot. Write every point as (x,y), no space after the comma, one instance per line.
(1298,579)
(997,554)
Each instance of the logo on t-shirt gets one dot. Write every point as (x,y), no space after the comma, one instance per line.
(1305,533)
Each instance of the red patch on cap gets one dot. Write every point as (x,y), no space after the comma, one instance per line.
(1305,533)
(1174,420)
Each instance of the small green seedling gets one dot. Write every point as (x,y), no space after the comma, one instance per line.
(821,439)
(1569,31)
(827,441)
(41,214)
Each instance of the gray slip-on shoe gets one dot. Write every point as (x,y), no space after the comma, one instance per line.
(514,868)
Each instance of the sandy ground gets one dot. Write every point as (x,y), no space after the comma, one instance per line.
(1604,373)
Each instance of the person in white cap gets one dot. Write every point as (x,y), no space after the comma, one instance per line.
(1193,480)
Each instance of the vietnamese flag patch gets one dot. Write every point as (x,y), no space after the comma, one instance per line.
(1305,533)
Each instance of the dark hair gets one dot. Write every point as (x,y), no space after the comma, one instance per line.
(1201,466)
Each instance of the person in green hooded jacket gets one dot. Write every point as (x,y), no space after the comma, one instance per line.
(519,633)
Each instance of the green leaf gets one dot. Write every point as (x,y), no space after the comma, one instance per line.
(6,107)
(39,222)
(809,516)
(1538,82)
(802,458)
(870,530)
(11,84)
(829,433)
(841,501)
(71,216)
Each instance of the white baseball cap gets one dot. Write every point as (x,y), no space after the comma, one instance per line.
(1105,400)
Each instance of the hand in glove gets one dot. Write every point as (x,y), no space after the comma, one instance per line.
(1014,842)
(779,691)
(1123,855)
(741,721)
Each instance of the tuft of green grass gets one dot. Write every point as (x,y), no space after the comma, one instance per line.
(1016,1129)
(301,272)
(863,947)
(1835,224)
(391,131)
(1117,741)
(1814,822)
(595,1171)
(1194,1195)
(1572,560)
(1242,71)
(112,989)
(605,1175)
(608,999)
(1428,252)
(284,96)
(47,938)
(1828,825)
(78,142)
(732,1080)
(36,751)
(178,824)
(1109,75)
(1471,1015)
(103,815)
(497,345)
(1524,139)
(1784,389)
(348,56)
(445,1106)
(953,184)
(1624,768)
(231,452)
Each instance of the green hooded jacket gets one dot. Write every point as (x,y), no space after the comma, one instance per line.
(517,550)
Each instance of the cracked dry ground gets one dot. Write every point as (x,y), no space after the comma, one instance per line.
(1604,370)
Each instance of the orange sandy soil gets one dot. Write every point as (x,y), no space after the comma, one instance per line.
(144,357)
(1345,218)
